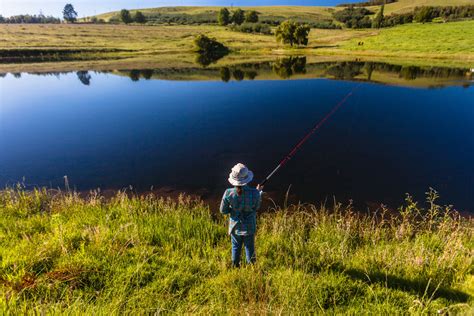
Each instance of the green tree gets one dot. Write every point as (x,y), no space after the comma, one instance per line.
(292,33)
(209,50)
(301,34)
(238,17)
(378,20)
(287,67)
(223,17)
(251,16)
(140,17)
(69,13)
(125,16)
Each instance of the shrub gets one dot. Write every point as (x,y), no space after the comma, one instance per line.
(257,28)
(354,17)
(209,50)
(251,16)
(204,44)
(449,13)
(397,19)
(139,17)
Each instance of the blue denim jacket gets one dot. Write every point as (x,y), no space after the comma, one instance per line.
(242,210)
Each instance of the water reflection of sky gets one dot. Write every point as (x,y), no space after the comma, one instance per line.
(115,132)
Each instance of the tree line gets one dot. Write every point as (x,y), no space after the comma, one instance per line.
(239,16)
(27,18)
(69,15)
(126,17)
(370,3)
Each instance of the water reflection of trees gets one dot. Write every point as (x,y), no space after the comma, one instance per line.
(239,73)
(345,70)
(283,68)
(364,70)
(205,59)
(225,74)
(84,77)
(287,67)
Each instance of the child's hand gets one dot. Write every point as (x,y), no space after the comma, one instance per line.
(259,187)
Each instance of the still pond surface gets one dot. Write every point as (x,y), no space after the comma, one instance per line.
(116,129)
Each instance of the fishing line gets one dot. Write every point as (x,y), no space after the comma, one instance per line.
(309,134)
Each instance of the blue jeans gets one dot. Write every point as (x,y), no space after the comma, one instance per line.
(237,242)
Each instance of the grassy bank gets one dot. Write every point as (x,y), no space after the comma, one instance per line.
(451,42)
(64,253)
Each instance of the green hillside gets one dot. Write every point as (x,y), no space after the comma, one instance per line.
(404,6)
(307,14)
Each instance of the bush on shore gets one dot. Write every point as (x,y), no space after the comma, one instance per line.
(256,28)
(61,252)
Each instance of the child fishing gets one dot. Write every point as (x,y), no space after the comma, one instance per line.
(242,203)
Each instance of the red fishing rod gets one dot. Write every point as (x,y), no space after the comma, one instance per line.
(308,136)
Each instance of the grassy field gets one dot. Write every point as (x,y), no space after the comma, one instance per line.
(456,38)
(451,42)
(65,253)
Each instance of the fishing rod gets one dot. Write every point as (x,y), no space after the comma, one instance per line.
(308,136)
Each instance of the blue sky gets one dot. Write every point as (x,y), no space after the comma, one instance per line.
(90,7)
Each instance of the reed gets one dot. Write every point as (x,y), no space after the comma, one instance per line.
(63,252)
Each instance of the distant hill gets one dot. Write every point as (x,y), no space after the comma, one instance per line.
(209,14)
(307,14)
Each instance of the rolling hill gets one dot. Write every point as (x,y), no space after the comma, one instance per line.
(306,14)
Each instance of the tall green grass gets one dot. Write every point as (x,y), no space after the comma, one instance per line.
(61,252)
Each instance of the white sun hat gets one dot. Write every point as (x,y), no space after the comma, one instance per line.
(240,175)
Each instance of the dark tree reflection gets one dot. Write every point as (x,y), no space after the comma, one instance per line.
(345,70)
(84,77)
(287,67)
(147,73)
(134,74)
(225,74)
(205,59)
(238,74)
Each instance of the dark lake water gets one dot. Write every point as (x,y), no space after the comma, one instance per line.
(115,129)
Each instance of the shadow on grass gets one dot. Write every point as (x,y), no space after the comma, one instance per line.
(324,46)
(420,287)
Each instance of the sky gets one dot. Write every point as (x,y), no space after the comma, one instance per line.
(91,7)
